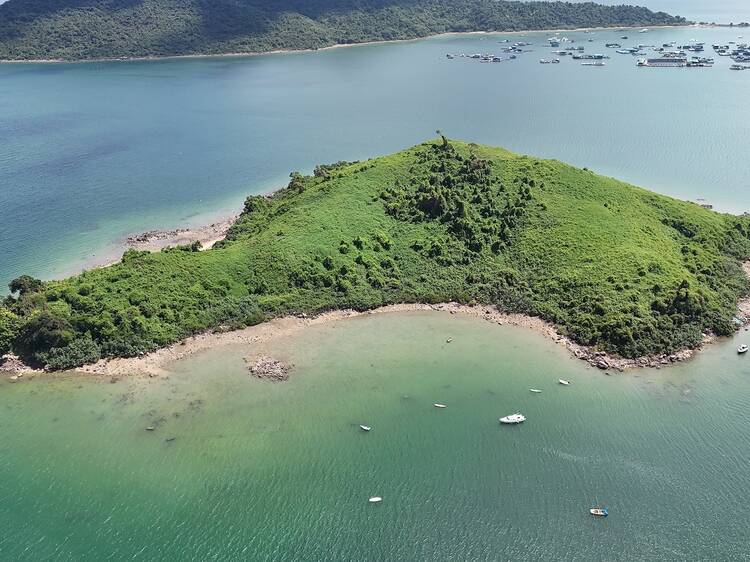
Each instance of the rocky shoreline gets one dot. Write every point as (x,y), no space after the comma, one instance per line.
(157,363)
(155,240)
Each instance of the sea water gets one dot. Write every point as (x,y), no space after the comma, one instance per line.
(238,468)
(90,153)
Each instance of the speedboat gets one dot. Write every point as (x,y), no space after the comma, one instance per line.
(599,511)
(742,349)
(375,499)
(563,382)
(365,427)
(513,419)
(534,390)
(440,405)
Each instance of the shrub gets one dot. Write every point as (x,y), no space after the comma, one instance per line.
(9,323)
(40,333)
(80,351)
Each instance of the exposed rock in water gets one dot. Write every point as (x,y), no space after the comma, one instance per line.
(270,369)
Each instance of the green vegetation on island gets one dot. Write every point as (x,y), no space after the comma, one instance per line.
(75,30)
(613,265)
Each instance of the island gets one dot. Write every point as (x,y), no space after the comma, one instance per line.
(613,267)
(68,30)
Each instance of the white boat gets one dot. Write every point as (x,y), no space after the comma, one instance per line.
(365,427)
(534,390)
(440,405)
(563,382)
(599,511)
(513,419)
(375,499)
(742,349)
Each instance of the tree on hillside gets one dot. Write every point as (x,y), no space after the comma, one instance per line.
(8,327)
(24,285)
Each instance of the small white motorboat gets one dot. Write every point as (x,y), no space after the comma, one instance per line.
(437,405)
(534,390)
(365,427)
(742,349)
(599,511)
(375,499)
(513,419)
(563,382)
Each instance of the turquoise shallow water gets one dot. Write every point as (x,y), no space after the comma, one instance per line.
(92,152)
(264,471)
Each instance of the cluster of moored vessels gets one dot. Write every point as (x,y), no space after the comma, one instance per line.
(668,54)
(737,52)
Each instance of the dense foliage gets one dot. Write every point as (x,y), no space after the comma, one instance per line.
(8,327)
(76,29)
(612,265)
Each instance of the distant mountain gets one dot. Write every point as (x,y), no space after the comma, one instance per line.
(90,29)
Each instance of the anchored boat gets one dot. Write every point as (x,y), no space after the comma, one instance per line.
(742,349)
(513,419)
(440,405)
(534,390)
(599,512)
(563,382)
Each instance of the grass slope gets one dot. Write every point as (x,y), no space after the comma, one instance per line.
(87,29)
(612,265)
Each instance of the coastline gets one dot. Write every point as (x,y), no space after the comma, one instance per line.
(157,363)
(346,45)
(158,239)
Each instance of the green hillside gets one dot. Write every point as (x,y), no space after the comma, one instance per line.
(611,264)
(87,29)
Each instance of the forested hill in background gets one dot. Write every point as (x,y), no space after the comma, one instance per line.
(90,29)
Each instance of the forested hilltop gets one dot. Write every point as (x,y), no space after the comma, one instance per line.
(90,29)
(612,265)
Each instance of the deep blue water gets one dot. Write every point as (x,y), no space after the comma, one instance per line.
(92,152)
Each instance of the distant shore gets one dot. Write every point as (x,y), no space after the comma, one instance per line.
(344,45)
